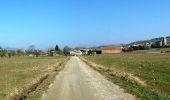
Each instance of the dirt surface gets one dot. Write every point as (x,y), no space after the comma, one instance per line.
(77,81)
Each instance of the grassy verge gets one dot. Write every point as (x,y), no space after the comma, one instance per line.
(20,71)
(141,92)
(152,68)
(37,94)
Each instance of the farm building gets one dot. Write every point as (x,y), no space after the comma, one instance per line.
(111,49)
(167,41)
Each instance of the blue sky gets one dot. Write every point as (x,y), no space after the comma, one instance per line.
(45,23)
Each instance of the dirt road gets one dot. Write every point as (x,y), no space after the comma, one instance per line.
(77,81)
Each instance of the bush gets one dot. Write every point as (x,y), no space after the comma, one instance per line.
(66,50)
(3,53)
(128,49)
(20,52)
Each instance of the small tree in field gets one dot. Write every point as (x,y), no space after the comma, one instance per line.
(30,50)
(3,52)
(20,52)
(57,48)
(9,54)
(37,53)
(51,51)
(66,50)
(12,53)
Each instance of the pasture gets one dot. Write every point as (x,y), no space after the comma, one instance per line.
(153,68)
(18,71)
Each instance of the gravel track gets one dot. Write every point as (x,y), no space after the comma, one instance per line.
(77,81)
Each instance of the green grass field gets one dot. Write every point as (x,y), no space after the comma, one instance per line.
(153,68)
(18,71)
(152,50)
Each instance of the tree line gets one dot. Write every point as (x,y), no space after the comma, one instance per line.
(31,51)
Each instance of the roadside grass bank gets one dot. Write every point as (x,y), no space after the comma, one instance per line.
(152,68)
(20,75)
(43,87)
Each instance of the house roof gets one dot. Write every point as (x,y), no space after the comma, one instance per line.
(111,48)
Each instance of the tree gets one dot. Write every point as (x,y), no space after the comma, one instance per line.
(57,48)
(13,53)
(51,53)
(30,50)
(3,52)
(128,49)
(60,52)
(89,52)
(20,52)
(9,54)
(37,52)
(66,50)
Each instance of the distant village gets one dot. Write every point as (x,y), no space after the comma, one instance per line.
(161,42)
(153,43)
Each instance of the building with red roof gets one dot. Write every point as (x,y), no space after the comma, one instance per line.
(111,49)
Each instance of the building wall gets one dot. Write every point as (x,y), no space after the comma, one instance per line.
(168,41)
(111,51)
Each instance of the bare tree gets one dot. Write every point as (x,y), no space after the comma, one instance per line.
(30,50)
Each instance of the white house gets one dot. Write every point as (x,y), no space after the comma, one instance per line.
(76,53)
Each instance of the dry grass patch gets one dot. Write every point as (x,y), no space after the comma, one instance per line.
(22,71)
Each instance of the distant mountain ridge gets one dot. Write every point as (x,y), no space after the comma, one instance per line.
(10,49)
